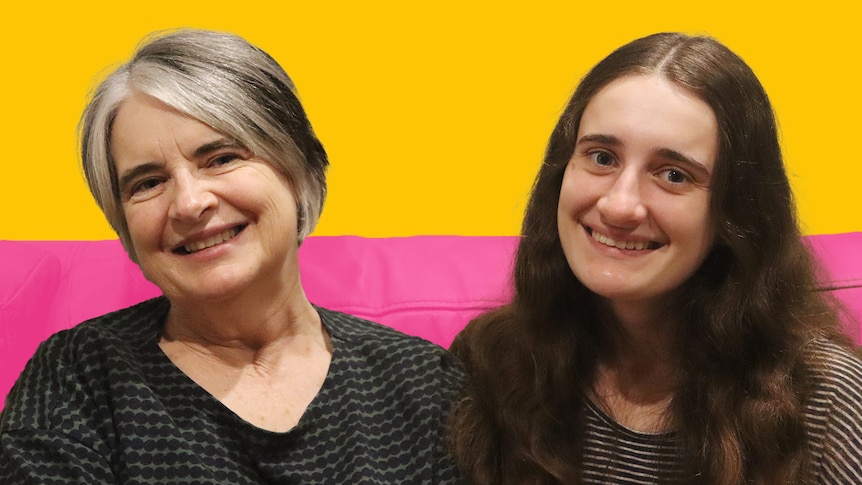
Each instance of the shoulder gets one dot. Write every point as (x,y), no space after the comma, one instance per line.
(132,322)
(479,345)
(130,325)
(389,350)
(835,371)
(835,375)
(74,362)
(834,413)
(354,329)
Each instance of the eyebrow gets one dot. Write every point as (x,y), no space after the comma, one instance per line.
(603,139)
(668,153)
(691,163)
(216,145)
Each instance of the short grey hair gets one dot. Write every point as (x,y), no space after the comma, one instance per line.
(225,82)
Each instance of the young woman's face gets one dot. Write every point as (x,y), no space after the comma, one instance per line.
(633,214)
(206,217)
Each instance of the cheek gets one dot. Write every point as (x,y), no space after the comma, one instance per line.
(284,202)
(567,214)
(708,240)
(577,198)
(693,224)
(570,195)
(143,225)
(701,217)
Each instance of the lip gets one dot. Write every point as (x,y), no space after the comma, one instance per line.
(628,244)
(212,237)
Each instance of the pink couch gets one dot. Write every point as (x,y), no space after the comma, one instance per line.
(428,286)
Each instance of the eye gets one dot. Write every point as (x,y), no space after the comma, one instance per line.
(601,158)
(675,176)
(224,159)
(144,185)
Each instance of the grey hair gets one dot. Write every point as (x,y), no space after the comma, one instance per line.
(222,81)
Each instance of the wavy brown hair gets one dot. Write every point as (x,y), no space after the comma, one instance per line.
(747,312)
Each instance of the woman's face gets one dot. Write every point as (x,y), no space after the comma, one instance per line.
(633,214)
(206,217)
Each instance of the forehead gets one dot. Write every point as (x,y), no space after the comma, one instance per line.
(145,129)
(651,111)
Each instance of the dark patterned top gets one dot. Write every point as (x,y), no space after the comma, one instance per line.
(833,421)
(101,403)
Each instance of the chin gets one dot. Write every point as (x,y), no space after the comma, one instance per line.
(211,287)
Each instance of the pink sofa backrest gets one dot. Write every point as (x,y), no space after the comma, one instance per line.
(429,286)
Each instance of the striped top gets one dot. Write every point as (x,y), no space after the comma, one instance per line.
(833,421)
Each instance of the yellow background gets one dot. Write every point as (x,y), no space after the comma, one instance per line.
(434,114)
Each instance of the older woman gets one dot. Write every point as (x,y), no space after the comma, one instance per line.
(664,327)
(201,157)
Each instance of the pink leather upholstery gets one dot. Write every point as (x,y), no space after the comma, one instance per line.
(429,286)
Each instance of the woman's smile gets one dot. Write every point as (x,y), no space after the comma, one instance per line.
(207,218)
(633,214)
(639,245)
(194,246)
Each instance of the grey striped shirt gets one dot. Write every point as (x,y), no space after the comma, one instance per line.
(833,421)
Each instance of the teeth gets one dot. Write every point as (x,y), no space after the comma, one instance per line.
(637,246)
(210,242)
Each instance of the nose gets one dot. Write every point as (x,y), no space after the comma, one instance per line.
(623,205)
(192,198)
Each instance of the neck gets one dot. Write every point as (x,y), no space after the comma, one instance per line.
(637,373)
(637,399)
(642,348)
(641,331)
(247,327)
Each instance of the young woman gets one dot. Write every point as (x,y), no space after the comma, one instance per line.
(665,326)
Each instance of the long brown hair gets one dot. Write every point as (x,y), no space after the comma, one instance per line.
(748,310)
